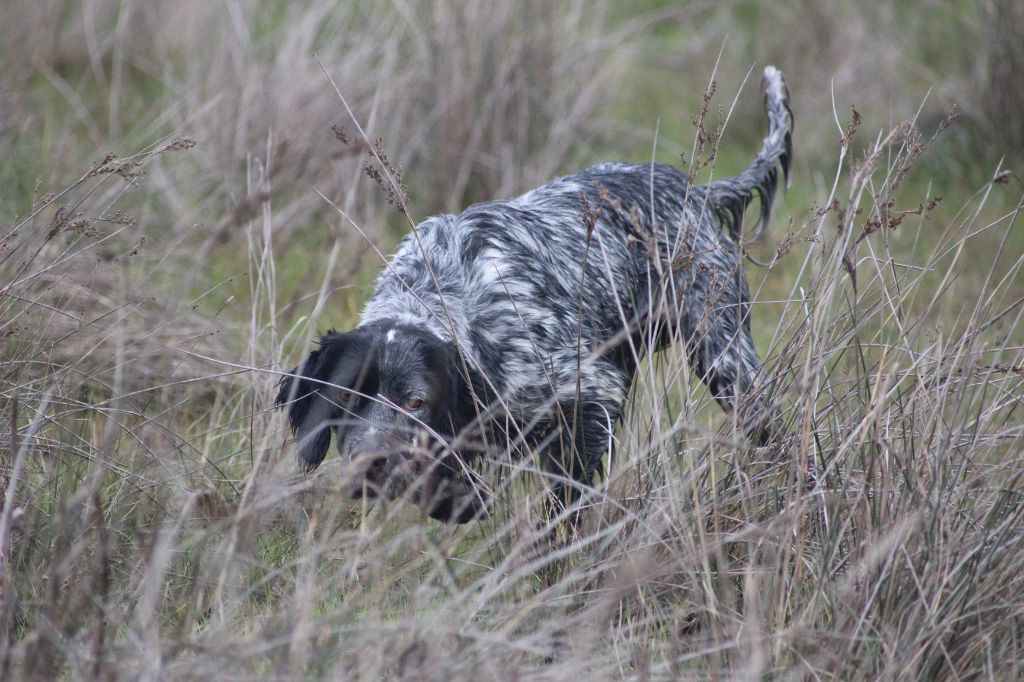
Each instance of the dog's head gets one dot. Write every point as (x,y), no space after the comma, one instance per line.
(397,399)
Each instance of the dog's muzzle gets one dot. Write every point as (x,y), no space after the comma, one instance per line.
(376,474)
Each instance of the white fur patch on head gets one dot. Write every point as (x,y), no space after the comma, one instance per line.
(390,335)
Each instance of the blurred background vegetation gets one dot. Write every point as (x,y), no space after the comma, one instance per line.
(473,100)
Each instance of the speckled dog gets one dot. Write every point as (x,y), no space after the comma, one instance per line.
(518,325)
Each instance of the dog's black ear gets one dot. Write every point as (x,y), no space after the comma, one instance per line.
(308,414)
(288,388)
(466,398)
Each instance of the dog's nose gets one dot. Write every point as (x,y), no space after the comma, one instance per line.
(369,462)
(376,464)
(366,473)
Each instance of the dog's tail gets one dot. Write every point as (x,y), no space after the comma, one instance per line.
(729,198)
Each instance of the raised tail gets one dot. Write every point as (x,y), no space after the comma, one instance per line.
(729,198)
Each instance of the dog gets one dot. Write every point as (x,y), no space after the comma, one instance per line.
(517,326)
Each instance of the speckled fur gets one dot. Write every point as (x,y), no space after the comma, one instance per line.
(552,297)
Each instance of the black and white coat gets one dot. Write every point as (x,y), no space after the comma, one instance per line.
(520,323)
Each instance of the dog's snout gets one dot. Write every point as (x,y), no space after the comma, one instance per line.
(377,462)
(366,473)
(369,463)
(376,468)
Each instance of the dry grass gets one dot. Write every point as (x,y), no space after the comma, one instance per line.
(154,524)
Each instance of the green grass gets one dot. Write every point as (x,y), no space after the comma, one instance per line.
(155,524)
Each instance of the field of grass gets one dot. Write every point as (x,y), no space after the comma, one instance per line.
(180,218)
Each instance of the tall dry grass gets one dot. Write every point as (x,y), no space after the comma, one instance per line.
(155,526)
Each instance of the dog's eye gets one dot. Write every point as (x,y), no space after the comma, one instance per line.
(413,404)
(345,396)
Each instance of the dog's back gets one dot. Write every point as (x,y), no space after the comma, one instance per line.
(514,288)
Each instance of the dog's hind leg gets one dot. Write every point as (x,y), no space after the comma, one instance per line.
(715,326)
